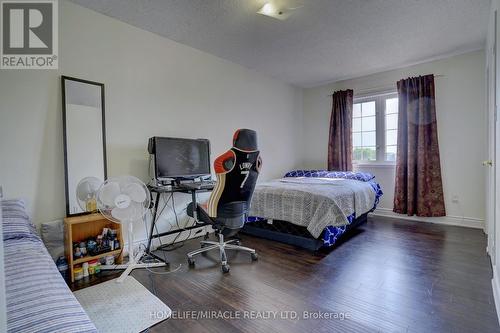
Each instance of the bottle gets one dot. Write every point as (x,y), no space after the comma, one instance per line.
(91,205)
(98,267)
(83,249)
(110,260)
(62,266)
(85,268)
(78,273)
(77,253)
(92,267)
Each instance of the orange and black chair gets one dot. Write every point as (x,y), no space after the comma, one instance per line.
(237,171)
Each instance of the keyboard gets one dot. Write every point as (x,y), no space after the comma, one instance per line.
(207,185)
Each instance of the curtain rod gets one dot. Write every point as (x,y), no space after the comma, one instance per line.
(381,89)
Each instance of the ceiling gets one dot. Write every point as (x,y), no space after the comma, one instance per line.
(322,40)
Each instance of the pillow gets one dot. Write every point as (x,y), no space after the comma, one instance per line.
(361,176)
(53,237)
(14,208)
(15,220)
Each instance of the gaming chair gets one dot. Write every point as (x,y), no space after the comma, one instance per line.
(237,171)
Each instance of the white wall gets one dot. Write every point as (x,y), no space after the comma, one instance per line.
(461,116)
(154,87)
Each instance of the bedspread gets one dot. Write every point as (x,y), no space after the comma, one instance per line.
(313,202)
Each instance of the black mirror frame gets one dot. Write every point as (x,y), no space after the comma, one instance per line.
(63,88)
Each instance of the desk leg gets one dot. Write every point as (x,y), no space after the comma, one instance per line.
(153,222)
(195,205)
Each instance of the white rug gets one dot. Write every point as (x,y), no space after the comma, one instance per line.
(122,307)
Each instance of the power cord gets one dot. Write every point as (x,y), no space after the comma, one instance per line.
(151,179)
(171,246)
(157,215)
(154,260)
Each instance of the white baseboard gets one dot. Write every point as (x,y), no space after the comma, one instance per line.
(184,235)
(470,222)
(495,284)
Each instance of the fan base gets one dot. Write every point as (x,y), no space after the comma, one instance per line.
(131,265)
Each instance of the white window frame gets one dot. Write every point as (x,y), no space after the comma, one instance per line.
(380,127)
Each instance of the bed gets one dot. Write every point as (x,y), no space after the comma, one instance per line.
(312,208)
(38,299)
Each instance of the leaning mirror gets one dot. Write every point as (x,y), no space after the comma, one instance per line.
(84,139)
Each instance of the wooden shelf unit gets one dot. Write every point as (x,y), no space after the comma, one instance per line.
(82,227)
(90,258)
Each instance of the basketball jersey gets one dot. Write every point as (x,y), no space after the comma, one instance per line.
(237,171)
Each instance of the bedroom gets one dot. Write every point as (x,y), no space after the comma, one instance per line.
(203,69)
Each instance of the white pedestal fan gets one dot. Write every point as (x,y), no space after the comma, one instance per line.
(125,200)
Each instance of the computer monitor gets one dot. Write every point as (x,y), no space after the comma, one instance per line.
(180,158)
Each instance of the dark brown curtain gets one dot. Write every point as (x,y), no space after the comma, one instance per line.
(419,189)
(340,138)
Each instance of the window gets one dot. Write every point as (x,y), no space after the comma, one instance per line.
(391,128)
(375,129)
(364,131)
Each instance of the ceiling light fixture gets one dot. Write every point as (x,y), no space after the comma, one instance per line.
(267,9)
(271,10)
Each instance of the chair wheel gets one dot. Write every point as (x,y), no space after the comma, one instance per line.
(225,268)
(255,256)
(191,261)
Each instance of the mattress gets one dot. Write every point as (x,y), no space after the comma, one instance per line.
(318,204)
(38,299)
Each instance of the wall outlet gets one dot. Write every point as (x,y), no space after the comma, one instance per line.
(455,199)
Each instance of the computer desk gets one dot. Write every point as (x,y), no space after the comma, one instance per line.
(159,191)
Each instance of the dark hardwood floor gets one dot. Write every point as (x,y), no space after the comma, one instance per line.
(388,276)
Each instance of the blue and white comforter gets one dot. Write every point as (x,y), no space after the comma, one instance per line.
(38,299)
(317,199)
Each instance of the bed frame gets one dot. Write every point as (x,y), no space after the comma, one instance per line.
(286,232)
